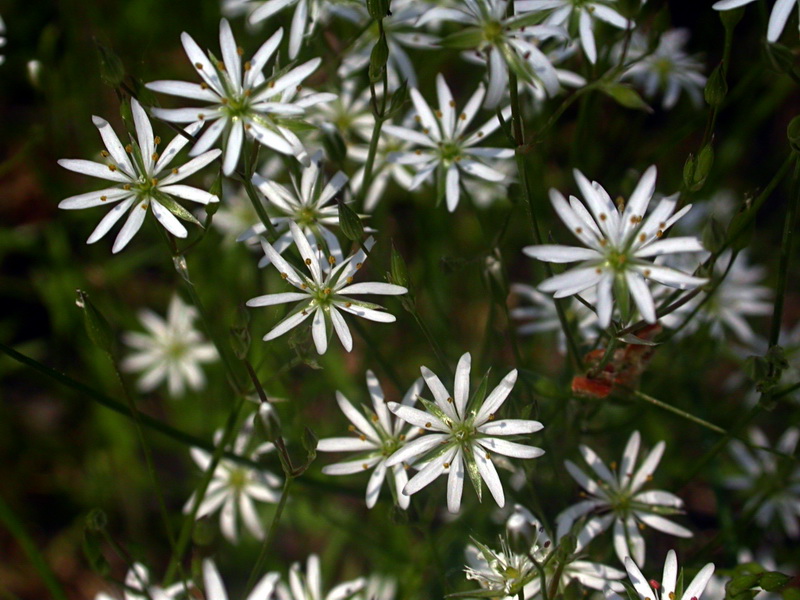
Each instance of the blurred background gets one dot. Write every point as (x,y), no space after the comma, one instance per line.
(62,454)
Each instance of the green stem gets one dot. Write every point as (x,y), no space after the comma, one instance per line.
(437,349)
(378,355)
(679,412)
(17,529)
(261,561)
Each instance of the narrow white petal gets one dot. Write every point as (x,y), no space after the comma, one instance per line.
(93,169)
(560,254)
(375,483)
(418,418)
(183,89)
(273,299)
(287,324)
(131,226)
(642,296)
(665,525)
(777,19)
(510,427)
(496,397)
(461,384)
(638,580)
(698,584)
(507,448)
(416,447)
(384,289)
(345,444)
(455,482)
(452,191)
(648,466)
(168,220)
(213,582)
(432,470)
(489,474)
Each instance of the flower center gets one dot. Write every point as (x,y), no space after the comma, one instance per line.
(238,479)
(493,32)
(449,152)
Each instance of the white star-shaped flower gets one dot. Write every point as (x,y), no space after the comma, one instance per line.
(171,351)
(666,591)
(378,436)
(323,294)
(242,100)
(505,43)
(446,149)
(618,243)
(617,497)
(308,204)
(460,436)
(215,588)
(771,489)
(582,12)
(144,180)
(308,586)
(139,587)
(777,18)
(669,67)
(235,487)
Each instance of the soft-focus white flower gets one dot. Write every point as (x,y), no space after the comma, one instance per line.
(215,588)
(401,31)
(2,38)
(242,100)
(308,586)
(616,497)
(172,350)
(446,149)
(509,572)
(350,114)
(618,243)
(781,11)
(737,297)
(666,591)
(377,436)
(583,12)
(772,484)
(309,204)
(138,587)
(541,315)
(378,587)
(235,487)
(668,68)
(307,15)
(144,177)
(505,43)
(323,295)
(461,434)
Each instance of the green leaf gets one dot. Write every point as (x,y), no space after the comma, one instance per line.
(176,209)
(470,37)
(742,583)
(626,96)
(774,581)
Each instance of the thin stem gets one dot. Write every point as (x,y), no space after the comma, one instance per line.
(679,412)
(18,531)
(378,356)
(437,349)
(261,561)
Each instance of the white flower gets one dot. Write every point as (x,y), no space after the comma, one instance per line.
(243,101)
(401,31)
(145,180)
(461,435)
(773,487)
(616,498)
(509,572)
(582,12)
(506,43)
(171,351)
(378,587)
(215,588)
(378,436)
(777,19)
(323,295)
(309,586)
(446,148)
(542,315)
(138,587)
(668,67)
(234,486)
(736,297)
(307,14)
(618,241)
(669,579)
(308,204)
(2,39)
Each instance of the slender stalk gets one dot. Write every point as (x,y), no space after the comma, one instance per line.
(679,412)
(39,562)
(437,349)
(261,561)
(378,355)
(519,140)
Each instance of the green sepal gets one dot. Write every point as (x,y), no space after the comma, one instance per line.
(472,471)
(350,223)
(434,409)
(626,96)
(471,37)
(112,71)
(175,208)
(378,59)
(716,87)
(97,327)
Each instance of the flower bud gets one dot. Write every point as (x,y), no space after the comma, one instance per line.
(378,59)
(716,87)
(112,72)
(97,327)
(350,223)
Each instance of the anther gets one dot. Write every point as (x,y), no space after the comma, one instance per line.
(303,286)
(366,466)
(480,134)
(374,418)
(463,116)
(491,417)
(646,272)
(285,275)
(103,198)
(331,260)
(362,437)
(401,437)
(203,85)
(598,270)
(348,304)
(157,140)
(450,400)
(359,265)
(439,113)
(112,167)
(198,65)
(154,156)
(104,153)
(247,66)
(220,65)
(308,261)
(328,291)
(174,170)
(428,424)
(488,455)
(579,230)
(642,237)
(200,116)
(446,465)
(298,88)
(143,206)
(349,280)
(659,233)
(239,50)
(154,181)
(351,428)
(128,148)
(603,216)
(126,187)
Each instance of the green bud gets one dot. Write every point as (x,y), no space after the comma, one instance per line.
(97,327)
(741,583)
(93,551)
(626,96)
(310,441)
(730,18)
(350,223)
(773,581)
(566,548)
(179,262)
(716,87)
(378,9)
(399,98)
(696,170)
(496,277)
(127,115)
(741,228)
(756,368)
(688,171)
(96,520)
(204,532)
(334,145)
(112,72)
(793,133)
(240,341)
(378,59)
(713,235)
